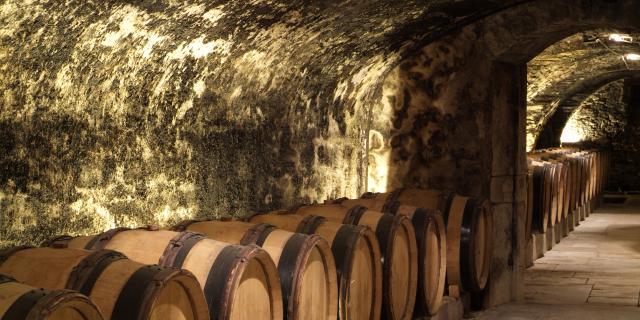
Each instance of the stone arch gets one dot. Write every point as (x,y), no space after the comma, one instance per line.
(453,113)
(578,93)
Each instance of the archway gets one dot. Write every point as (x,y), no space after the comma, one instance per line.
(453,115)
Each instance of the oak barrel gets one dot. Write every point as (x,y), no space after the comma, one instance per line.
(19,301)
(469,232)
(432,249)
(530,198)
(357,255)
(121,288)
(305,264)
(397,241)
(231,276)
(541,196)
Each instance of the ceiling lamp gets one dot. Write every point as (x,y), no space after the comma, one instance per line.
(620,37)
(632,56)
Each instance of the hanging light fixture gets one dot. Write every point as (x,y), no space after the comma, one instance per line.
(632,57)
(621,37)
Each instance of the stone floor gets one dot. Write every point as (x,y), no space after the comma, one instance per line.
(594,273)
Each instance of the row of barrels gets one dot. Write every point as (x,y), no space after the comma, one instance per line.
(561,180)
(391,256)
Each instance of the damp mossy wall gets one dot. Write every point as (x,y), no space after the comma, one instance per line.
(125,113)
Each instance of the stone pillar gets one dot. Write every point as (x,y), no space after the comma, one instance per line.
(508,183)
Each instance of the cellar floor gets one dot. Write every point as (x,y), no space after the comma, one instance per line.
(594,273)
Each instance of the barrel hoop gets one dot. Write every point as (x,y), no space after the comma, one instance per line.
(100,241)
(257,234)
(538,222)
(133,300)
(384,232)
(47,304)
(178,248)
(222,276)
(7,253)
(53,242)
(421,220)
(336,201)
(295,208)
(5,278)
(183,225)
(343,246)
(84,275)
(288,269)
(446,200)
(394,196)
(391,207)
(310,224)
(467,257)
(354,214)
(21,308)
(368,195)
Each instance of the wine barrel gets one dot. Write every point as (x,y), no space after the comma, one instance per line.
(551,156)
(231,276)
(305,264)
(541,203)
(469,232)
(397,241)
(550,190)
(23,302)
(432,249)
(529,206)
(357,256)
(121,288)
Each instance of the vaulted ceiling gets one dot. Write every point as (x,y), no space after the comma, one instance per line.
(567,73)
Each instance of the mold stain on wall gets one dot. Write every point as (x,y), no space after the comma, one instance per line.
(123,115)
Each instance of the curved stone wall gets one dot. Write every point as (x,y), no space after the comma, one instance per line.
(121,113)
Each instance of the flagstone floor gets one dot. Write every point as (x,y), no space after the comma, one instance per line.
(594,273)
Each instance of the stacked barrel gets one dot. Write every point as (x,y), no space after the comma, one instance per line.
(383,256)
(564,185)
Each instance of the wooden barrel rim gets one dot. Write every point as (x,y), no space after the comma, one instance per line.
(344,249)
(477,278)
(38,303)
(386,231)
(47,304)
(137,297)
(25,305)
(354,214)
(295,254)
(310,224)
(84,275)
(178,248)
(224,277)
(257,234)
(422,219)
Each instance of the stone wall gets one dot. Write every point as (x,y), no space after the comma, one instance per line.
(127,113)
(601,118)
(603,121)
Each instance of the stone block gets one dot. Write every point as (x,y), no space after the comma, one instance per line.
(502,189)
(571,221)
(565,226)
(557,233)
(549,238)
(451,309)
